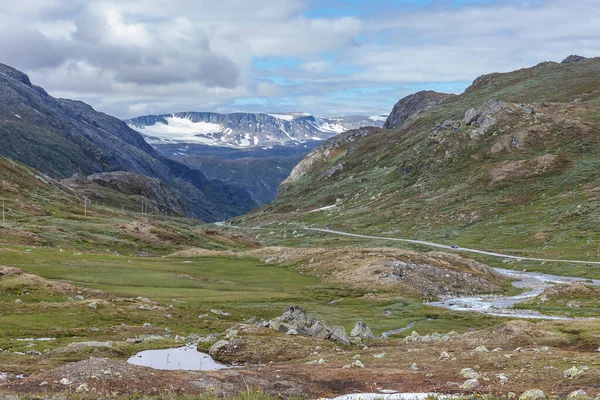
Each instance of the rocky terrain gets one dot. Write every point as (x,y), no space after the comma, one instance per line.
(411,106)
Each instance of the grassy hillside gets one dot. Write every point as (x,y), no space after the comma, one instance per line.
(530,182)
(42,212)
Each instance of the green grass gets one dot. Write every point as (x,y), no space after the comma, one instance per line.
(244,288)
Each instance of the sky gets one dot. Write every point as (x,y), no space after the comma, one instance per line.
(331,58)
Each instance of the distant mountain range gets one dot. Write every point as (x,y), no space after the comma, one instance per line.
(242,130)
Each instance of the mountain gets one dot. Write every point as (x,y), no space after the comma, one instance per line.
(62,137)
(512,163)
(244,130)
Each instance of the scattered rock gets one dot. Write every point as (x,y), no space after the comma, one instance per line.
(292,332)
(93,305)
(19,301)
(502,379)
(356,364)
(146,307)
(444,355)
(65,381)
(380,355)
(579,395)
(481,349)
(574,372)
(469,373)
(470,384)
(534,394)
(231,334)
(414,367)
(82,388)
(316,362)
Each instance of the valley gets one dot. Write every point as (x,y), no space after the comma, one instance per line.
(452,253)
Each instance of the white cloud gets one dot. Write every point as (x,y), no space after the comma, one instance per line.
(129,56)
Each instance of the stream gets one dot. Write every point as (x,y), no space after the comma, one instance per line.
(499,305)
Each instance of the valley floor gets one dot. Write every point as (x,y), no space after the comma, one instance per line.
(115,306)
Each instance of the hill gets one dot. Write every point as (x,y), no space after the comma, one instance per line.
(64,137)
(511,164)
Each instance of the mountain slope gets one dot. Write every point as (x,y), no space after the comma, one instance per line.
(63,137)
(512,163)
(261,177)
(244,129)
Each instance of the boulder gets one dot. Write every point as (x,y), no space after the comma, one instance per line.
(574,372)
(579,395)
(470,384)
(361,330)
(215,348)
(338,334)
(471,116)
(469,373)
(534,394)
(319,330)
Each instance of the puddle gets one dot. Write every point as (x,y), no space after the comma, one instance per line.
(503,305)
(182,358)
(391,396)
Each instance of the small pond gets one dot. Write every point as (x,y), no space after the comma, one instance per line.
(181,358)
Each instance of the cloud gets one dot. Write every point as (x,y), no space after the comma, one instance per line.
(127,56)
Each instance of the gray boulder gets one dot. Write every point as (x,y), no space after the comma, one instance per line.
(578,395)
(215,348)
(534,394)
(319,330)
(470,384)
(471,116)
(362,330)
(338,334)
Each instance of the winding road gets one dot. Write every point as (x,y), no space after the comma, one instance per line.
(421,242)
(444,246)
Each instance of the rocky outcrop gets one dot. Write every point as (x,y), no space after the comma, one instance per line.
(321,155)
(482,118)
(574,59)
(295,319)
(412,105)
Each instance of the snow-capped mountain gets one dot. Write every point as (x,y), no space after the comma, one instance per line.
(244,129)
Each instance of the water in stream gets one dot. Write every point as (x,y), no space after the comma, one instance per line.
(503,305)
